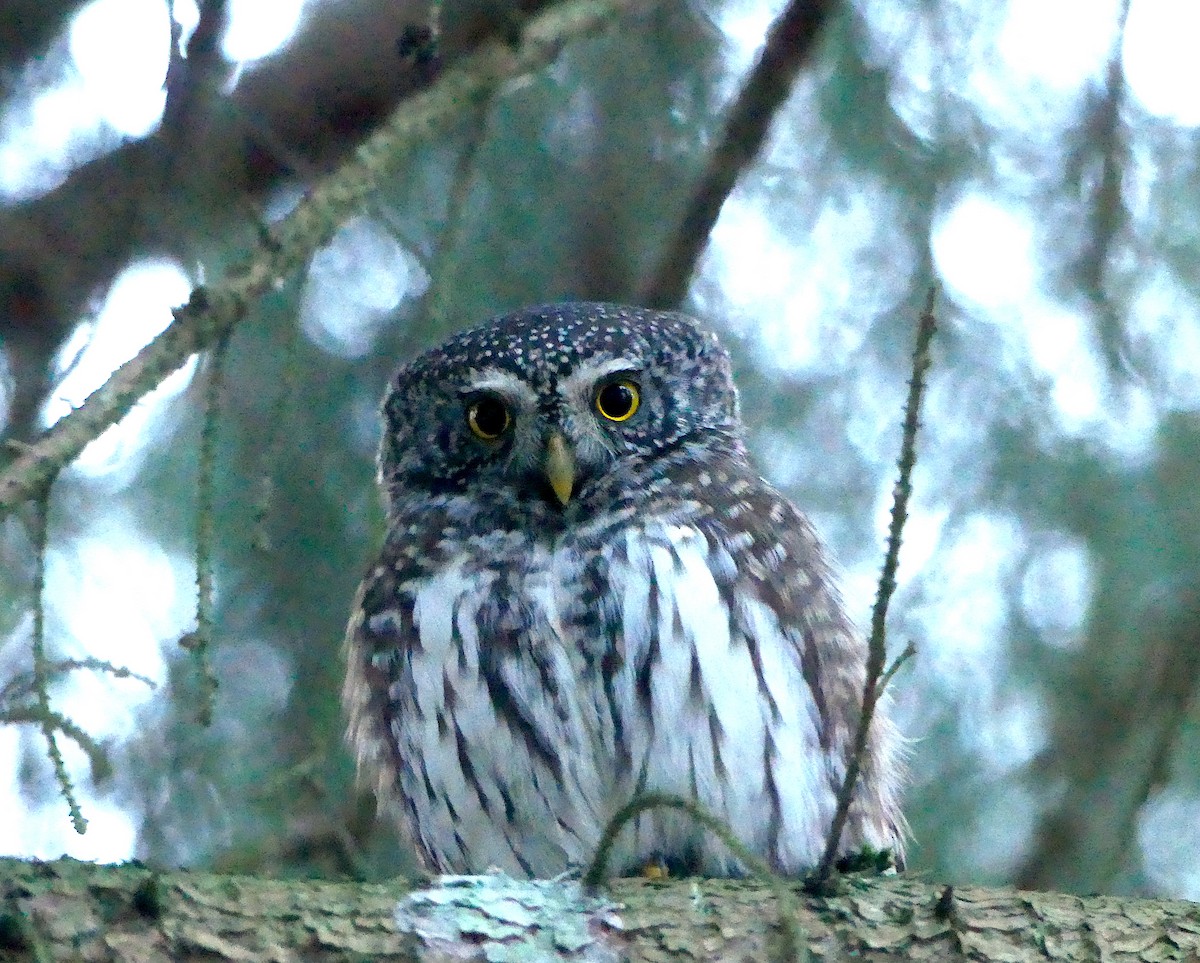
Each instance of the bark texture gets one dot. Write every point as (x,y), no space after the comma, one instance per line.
(66,910)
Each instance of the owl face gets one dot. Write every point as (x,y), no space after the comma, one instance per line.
(544,404)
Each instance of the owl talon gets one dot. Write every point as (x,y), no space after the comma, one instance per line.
(656,869)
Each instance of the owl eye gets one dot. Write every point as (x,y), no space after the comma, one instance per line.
(618,400)
(488,418)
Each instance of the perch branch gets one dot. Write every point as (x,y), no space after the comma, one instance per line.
(67,910)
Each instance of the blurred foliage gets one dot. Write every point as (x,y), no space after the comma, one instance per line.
(1051,580)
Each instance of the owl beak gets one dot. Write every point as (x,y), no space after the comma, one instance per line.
(560,467)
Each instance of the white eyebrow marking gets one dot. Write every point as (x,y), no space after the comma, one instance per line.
(582,381)
(503,383)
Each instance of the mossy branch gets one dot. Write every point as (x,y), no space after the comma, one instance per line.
(122,913)
(211,312)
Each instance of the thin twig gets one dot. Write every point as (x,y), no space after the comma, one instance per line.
(442,270)
(909,651)
(877,647)
(41,664)
(788,908)
(23,683)
(788,45)
(202,640)
(285,397)
(58,723)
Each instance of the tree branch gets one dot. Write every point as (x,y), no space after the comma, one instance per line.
(212,312)
(1129,722)
(68,910)
(26,28)
(789,43)
(297,114)
(1104,136)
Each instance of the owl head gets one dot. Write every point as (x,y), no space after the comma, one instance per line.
(546,404)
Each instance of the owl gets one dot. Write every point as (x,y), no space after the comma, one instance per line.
(586,591)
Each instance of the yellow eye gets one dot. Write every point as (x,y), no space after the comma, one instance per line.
(618,400)
(488,418)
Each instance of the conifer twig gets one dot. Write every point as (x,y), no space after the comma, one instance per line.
(50,722)
(200,644)
(876,677)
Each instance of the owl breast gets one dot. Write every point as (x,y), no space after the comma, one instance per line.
(547,683)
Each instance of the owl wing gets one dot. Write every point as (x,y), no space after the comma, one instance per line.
(378,639)
(740,679)
(782,587)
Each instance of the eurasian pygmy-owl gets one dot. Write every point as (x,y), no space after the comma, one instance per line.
(587,591)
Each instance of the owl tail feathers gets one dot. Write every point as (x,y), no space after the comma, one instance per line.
(876,826)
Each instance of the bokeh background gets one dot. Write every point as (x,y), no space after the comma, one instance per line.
(1036,158)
